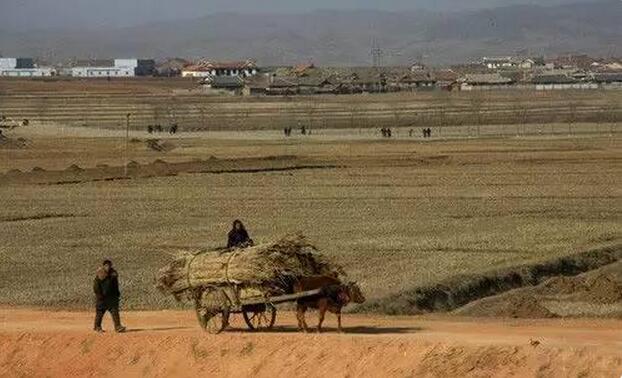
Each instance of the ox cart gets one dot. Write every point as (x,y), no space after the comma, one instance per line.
(215,304)
(248,281)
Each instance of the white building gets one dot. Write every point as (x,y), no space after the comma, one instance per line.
(205,68)
(102,72)
(527,64)
(23,67)
(27,72)
(9,63)
(499,62)
(114,68)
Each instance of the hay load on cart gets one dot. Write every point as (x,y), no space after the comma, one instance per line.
(248,280)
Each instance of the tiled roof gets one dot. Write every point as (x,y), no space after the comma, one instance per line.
(95,63)
(553,79)
(486,79)
(418,77)
(609,77)
(227,82)
(207,65)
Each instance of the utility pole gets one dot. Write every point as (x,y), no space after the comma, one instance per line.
(376,53)
(127,138)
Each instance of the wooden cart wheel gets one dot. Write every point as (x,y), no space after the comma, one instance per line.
(260,319)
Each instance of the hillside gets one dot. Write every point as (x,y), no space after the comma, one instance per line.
(45,14)
(344,37)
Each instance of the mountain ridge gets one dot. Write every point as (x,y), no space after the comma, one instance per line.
(344,37)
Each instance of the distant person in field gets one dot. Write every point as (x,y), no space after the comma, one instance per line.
(238,236)
(107,295)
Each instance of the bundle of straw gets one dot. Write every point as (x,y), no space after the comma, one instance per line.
(271,265)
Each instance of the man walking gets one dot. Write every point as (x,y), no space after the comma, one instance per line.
(107,294)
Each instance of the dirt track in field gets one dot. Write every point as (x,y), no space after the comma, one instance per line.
(169,343)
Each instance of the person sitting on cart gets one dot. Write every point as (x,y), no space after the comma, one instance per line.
(238,236)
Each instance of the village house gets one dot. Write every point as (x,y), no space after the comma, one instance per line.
(206,68)
(560,81)
(281,86)
(256,85)
(511,62)
(608,80)
(363,81)
(316,85)
(417,80)
(482,82)
(302,69)
(171,67)
(583,62)
(417,67)
(494,63)
(233,84)
(446,79)
(527,64)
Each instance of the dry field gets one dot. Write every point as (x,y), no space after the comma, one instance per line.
(397,213)
(105,104)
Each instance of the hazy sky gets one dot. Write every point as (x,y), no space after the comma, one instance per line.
(42,14)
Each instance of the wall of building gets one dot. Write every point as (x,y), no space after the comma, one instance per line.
(557,87)
(484,87)
(102,72)
(26,72)
(196,74)
(8,63)
(126,63)
(24,63)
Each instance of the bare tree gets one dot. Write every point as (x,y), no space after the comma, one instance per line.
(571,118)
(520,115)
(244,117)
(171,111)
(311,109)
(611,110)
(206,115)
(282,116)
(157,113)
(444,102)
(477,103)
(397,110)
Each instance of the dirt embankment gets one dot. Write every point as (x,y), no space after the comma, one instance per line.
(168,343)
(75,174)
(596,293)
(583,284)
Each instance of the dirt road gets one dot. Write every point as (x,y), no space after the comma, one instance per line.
(169,343)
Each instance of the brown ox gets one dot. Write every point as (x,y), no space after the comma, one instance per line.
(335,295)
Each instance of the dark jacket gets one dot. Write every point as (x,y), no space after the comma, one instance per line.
(106,287)
(238,239)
